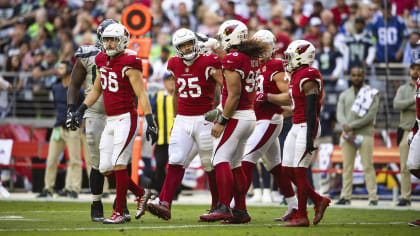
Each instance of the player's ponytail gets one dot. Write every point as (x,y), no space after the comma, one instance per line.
(253,48)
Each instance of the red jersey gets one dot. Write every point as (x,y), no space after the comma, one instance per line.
(118,95)
(195,87)
(418,98)
(248,69)
(266,84)
(297,96)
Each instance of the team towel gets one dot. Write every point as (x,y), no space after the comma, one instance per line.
(364,100)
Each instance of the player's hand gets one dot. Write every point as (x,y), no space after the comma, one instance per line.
(152,130)
(261,97)
(211,43)
(410,138)
(212,115)
(74,117)
(310,146)
(217,130)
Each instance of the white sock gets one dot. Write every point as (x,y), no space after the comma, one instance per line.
(292,202)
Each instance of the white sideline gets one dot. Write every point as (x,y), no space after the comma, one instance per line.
(182,227)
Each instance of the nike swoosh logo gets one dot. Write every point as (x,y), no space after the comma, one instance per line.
(206,123)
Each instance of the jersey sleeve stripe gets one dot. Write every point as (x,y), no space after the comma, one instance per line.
(240,72)
(207,72)
(307,79)
(125,68)
(86,55)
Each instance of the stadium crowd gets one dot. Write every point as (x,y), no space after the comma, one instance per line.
(36,36)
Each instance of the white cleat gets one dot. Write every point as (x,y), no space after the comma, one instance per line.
(142,202)
(116,218)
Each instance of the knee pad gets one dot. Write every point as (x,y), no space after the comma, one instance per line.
(205,141)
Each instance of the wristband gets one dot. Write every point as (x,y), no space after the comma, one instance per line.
(82,108)
(149,118)
(221,120)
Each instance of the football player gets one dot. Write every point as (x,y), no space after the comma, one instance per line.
(119,81)
(84,71)
(264,140)
(413,161)
(305,92)
(196,76)
(237,121)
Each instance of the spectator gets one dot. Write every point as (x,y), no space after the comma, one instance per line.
(210,24)
(359,47)
(411,45)
(328,60)
(405,102)
(413,21)
(327,18)
(41,21)
(403,7)
(391,38)
(340,12)
(159,67)
(314,34)
(84,25)
(185,16)
(231,15)
(356,112)
(253,13)
(60,137)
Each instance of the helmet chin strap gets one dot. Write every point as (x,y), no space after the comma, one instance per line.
(190,62)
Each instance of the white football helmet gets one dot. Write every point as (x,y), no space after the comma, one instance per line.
(298,53)
(267,37)
(181,36)
(119,32)
(232,32)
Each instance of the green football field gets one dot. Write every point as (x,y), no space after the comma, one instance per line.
(72,218)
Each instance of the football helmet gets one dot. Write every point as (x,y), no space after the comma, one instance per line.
(298,53)
(100,30)
(231,32)
(267,37)
(181,36)
(119,33)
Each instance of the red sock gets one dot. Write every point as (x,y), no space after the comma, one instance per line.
(122,179)
(283,181)
(224,180)
(248,167)
(305,190)
(289,172)
(134,188)
(213,188)
(172,181)
(239,188)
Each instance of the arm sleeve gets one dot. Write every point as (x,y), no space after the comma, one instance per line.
(400,103)
(338,66)
(371,54)
(369,117)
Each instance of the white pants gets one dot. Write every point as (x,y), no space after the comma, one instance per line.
(94,127)
(117,140)
(294,154)
(189,135)
(264,143)
(230,146)
(413,162)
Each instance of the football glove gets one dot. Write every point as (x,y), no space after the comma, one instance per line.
(74,117)
(152,130)
(212,115)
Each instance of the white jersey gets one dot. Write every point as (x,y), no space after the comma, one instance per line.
(86,55)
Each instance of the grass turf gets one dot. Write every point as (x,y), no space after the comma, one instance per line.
(73,218)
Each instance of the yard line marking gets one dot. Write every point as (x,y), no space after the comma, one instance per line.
(180,227)
(21,212)
(16,218)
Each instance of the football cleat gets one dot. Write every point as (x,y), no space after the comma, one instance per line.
(320,209)
(414,223)
(238,217)
(288,216)
(142,202)
(222,212)
(97,212)
(161,210)
(298,221)
(116,218)
(127,215)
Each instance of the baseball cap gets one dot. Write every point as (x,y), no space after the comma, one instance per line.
(315,21)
